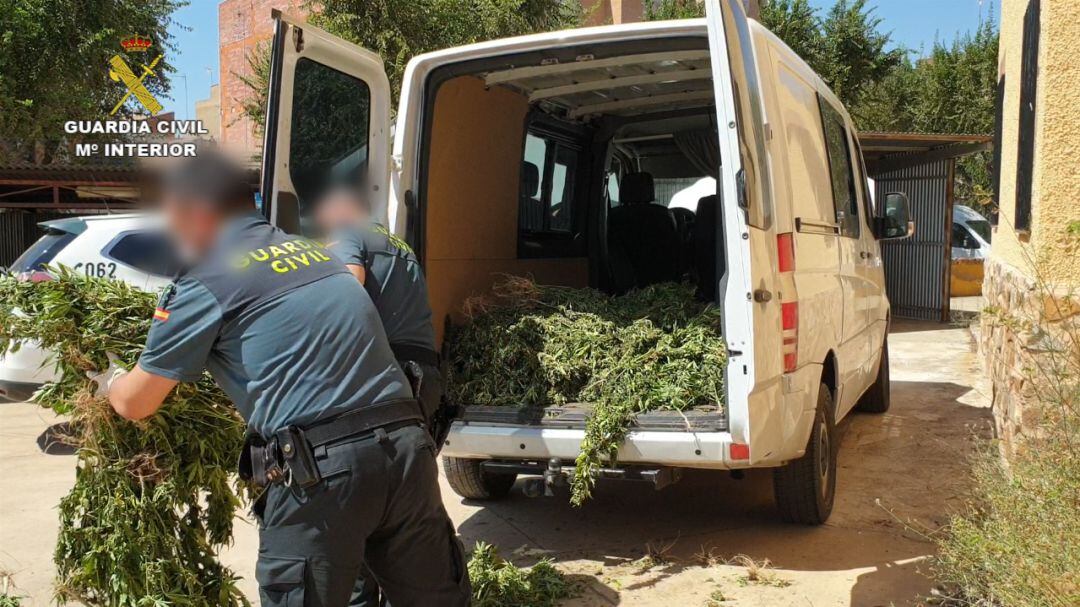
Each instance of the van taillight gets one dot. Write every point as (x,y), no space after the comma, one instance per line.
(789,312)
(34,276)
(785,246)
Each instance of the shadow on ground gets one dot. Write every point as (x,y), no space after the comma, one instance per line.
(900,475)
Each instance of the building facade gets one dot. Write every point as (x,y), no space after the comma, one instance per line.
(242,26)
(1034,267)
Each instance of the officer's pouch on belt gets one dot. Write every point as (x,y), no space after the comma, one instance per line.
(299,460)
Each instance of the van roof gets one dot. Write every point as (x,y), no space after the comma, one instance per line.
(561,38)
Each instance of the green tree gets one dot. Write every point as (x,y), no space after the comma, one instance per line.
(664,10)
(398,30)
(794,22)
(853,54)
(54,66)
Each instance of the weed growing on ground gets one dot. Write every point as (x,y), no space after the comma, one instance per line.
(498,583)
(758,572)
(153,501)
(1017,541)
(533,346)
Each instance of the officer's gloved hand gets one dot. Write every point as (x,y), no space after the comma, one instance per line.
(104,379)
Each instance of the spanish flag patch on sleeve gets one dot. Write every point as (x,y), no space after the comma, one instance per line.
(160,314)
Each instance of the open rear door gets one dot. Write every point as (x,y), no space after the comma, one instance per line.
(744,193)
(327,123)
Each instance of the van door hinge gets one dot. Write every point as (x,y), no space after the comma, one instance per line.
(298,39)
(768,132)
(396,161)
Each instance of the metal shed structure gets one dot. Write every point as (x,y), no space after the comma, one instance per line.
(923,166)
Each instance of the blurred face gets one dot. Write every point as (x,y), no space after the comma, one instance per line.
(340,209)
(193,225)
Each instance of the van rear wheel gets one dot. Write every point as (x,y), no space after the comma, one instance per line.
(876,399)
(806,488)
(469,479)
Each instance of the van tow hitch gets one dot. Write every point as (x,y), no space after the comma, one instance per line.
(554,474)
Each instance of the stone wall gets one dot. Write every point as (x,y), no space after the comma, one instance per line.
(1028,343)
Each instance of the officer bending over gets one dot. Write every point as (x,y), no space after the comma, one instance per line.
(335,432)
(393,278)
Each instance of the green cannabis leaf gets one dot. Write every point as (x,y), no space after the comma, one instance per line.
(154,500)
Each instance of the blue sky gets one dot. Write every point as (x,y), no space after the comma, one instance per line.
(913,23)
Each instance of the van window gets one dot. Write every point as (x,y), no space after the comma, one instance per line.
(548,180)
(328,140)
(841,173)
(150,252)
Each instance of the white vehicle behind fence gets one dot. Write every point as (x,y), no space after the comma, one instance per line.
(127,247)
(541,155)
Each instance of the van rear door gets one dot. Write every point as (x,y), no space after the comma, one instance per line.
(745,199)
(327,122)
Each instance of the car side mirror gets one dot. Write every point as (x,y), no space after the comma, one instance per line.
(893,220)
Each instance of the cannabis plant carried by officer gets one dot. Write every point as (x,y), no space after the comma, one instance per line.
(335,434)
(394,280)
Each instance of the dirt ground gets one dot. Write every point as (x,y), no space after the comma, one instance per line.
(900,476)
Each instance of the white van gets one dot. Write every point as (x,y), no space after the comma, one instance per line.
(547,156)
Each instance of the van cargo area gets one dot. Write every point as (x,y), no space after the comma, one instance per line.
(548,171)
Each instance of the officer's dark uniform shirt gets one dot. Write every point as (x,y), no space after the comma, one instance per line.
(394,281)
(275,319)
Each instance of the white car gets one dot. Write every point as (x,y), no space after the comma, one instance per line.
(970,234)
(502,162)
(128,247)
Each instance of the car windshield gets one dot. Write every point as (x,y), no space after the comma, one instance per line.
(980,227)
(42,252)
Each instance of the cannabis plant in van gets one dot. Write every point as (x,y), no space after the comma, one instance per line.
(532,346)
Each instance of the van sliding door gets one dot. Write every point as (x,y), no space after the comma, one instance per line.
(327,123)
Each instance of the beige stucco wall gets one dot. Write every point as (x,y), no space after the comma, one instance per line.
(1056,190)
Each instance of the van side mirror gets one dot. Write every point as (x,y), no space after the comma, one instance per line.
(893,220)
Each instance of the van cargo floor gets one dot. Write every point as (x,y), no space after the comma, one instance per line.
(574,415)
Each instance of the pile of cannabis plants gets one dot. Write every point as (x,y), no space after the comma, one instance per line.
(528,345)
(153,500)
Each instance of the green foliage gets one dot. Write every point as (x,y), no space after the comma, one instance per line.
(794,22)
(497,583)
(398,30)
(661,10)
(54,66)
(530,345)
(853,54)
(152,500)
(951,90)
(1016,543)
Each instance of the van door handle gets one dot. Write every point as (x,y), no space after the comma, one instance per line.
(866,254)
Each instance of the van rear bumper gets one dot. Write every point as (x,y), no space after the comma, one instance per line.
(709,450)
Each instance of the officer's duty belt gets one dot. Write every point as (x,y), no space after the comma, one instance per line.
(420,354)
(288,455)
(363,420)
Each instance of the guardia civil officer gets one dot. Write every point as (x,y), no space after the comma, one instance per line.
(335,432)
(392,277)
(394,280)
